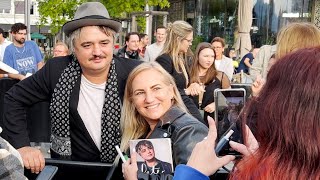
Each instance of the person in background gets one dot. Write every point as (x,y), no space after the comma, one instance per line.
(283,146)
(260,65)
(222,63)
(85,90)
(144,41)
(154,50)
(153,108)
(174,61)
(60,49)
(292,37)
(23,56)
(233,55)
(130,50)
(204,73)
(3,43)
(247,60)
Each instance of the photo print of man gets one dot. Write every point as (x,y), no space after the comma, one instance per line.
(151,165)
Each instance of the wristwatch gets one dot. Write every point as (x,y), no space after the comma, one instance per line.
(5,75)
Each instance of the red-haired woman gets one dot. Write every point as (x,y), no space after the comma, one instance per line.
(287,123)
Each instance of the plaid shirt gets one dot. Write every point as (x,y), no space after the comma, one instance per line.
(11,166)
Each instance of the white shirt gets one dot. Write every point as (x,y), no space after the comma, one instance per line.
(91,100)
(3,48)
(225,65)
(152,52)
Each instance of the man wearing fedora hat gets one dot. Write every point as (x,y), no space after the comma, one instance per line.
(85,90)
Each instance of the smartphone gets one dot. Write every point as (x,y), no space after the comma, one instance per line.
(47,173)
(229,104)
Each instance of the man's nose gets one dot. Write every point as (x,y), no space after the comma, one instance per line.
(96,50)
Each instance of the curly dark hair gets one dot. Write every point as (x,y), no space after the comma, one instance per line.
(17,27)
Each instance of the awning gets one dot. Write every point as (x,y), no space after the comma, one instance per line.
(37,36)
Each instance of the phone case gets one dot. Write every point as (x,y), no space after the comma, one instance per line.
(229,103)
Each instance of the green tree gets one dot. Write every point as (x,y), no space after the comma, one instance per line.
(57,12)
(122,8)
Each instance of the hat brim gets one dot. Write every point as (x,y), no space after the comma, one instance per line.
(70,26)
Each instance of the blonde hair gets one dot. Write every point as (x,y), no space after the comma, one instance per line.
(59,43)
(297,36)
(176,32)
(132,124)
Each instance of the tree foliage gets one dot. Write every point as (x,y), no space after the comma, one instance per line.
(122,8)
(57,12)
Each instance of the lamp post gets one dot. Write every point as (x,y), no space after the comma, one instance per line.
(27,17)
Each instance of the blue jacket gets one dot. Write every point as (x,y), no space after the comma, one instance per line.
(184,172)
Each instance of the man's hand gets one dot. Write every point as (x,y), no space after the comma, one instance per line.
(130,168)
(204,158)
(32,159)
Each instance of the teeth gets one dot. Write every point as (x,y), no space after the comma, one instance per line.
(152,107)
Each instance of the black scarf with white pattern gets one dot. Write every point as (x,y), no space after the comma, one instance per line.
(59,111)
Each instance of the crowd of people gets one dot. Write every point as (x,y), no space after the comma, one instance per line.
(99,99)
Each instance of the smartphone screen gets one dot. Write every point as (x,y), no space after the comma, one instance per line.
(229,103)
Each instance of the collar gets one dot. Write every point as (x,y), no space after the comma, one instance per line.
(170,116)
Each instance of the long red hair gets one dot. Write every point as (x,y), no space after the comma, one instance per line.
(287,124)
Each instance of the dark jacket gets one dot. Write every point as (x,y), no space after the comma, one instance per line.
(39,87)
(132,55)
(166,62)
(184,130)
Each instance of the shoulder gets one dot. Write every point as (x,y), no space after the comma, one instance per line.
(124,66)
(30,43)
(10,47)
(59,62)
(187,121)
(164,57)
(226,59)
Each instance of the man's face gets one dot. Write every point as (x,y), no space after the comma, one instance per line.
(161,35)
(60,50)
(146,152)
(94,50)
(20,36)
(133,43)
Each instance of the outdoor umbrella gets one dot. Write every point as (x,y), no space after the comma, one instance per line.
(37,36)
(243,43)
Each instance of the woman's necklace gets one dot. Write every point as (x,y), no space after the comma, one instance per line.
(24,48)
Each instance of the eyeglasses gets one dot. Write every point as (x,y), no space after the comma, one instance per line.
(189,40)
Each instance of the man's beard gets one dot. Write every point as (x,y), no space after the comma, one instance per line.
(21,41)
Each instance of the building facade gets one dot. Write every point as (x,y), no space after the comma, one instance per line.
(212,18)
(12,11)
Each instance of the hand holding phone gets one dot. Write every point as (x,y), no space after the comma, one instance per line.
(229,103)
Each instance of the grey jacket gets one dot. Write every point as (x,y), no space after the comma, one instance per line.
(184,130)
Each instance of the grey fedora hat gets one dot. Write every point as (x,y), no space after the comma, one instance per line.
(91,14)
